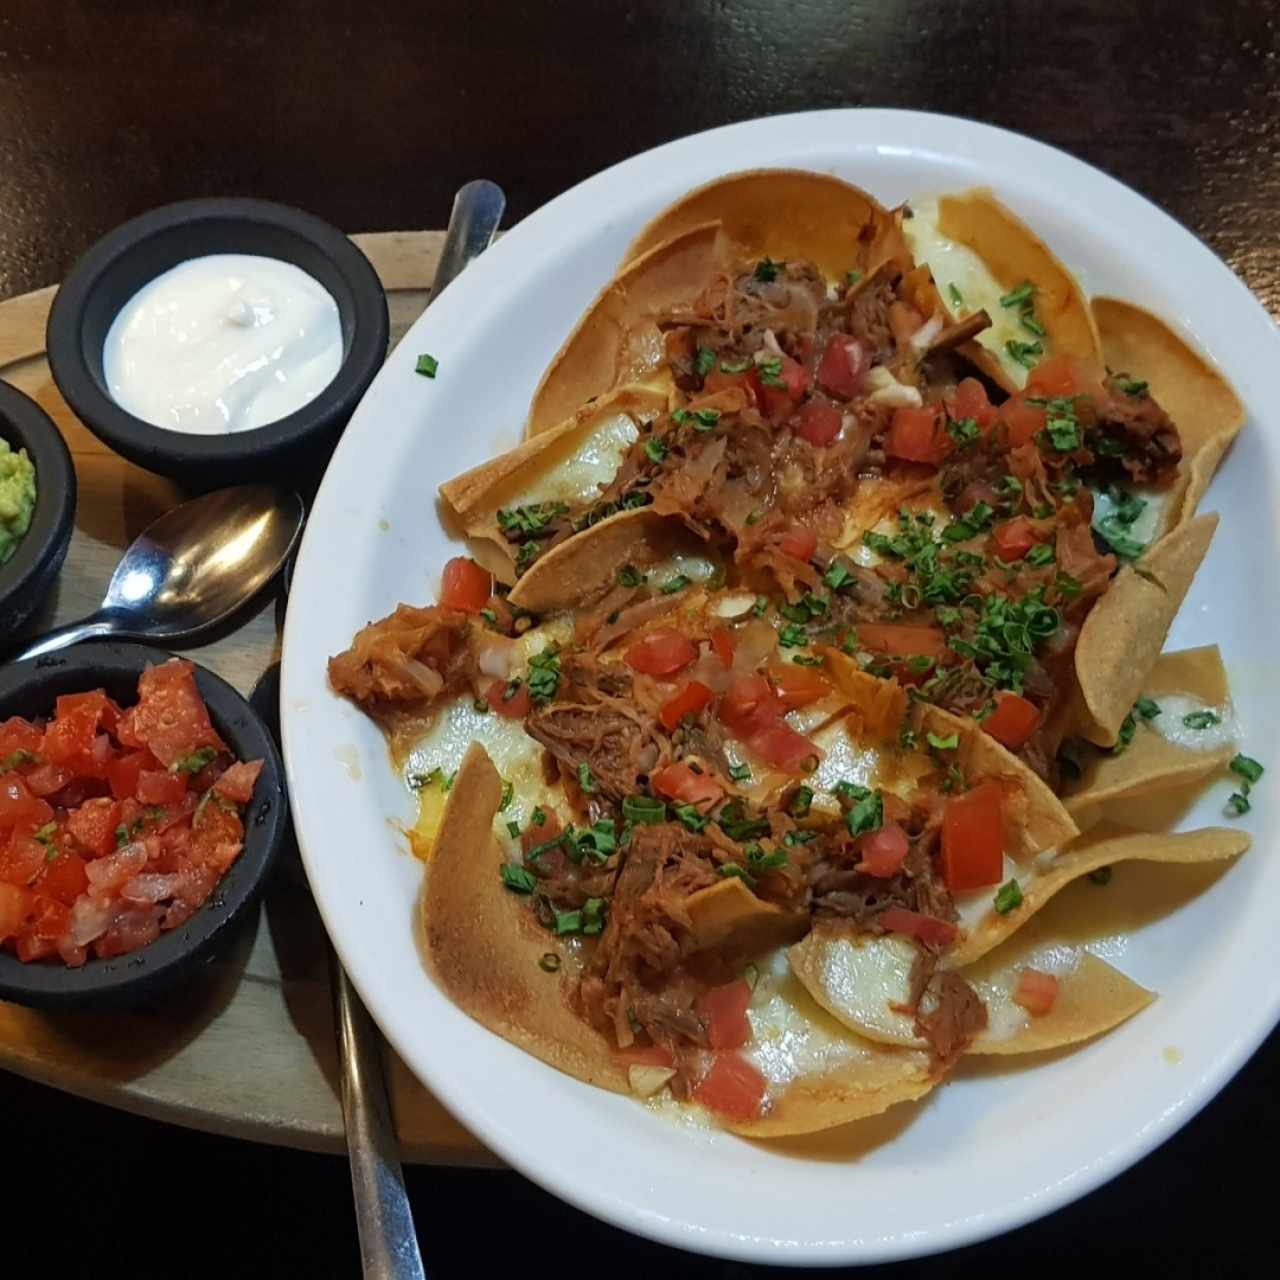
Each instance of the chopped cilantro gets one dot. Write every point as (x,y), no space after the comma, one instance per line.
(527,554)
(866,815)
(1201,719)
(544,674)
(1040,555)
(194,762)
(793,637)
(964,431)
(1008,897)
(705,361)
(518,879)
(767,270)
(531,518)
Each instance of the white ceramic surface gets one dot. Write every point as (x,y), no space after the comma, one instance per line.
(992,1149)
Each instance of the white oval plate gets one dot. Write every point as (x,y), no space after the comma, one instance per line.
(992,1149)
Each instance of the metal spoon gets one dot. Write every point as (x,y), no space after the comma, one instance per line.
(384,1220)
(190,569)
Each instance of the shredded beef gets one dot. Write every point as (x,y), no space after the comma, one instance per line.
(948,1011)
(842,892)
(1152,446)
(620,743)
(647,936)
(409,657)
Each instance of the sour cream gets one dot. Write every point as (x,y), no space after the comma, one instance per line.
(226,342)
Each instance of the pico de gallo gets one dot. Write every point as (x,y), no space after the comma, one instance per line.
(116,823)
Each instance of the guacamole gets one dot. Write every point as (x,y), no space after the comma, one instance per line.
(17,498)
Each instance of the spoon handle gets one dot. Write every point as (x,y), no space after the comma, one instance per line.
(90,628)
(477,210)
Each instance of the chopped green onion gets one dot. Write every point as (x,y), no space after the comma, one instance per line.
(949,743)
(427,365)
(1147,708)
(1248,768)
(1025,353)
(1201,719)
(518,879)
(672,585)
(1008,897)
(586,779)
(767,270)
(740,772)
(705,361)
(1016,297)
(644,810)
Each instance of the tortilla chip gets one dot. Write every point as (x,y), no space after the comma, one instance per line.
(1101,846)
(779,213)
(584,567)
(569,463)
(616,340)
(878,705)
(729,917)
(484,947)
(858,1078)
(1035,818)
(1013,253)
(1124,632)
(1152,763)
(1201,402)
(865,983)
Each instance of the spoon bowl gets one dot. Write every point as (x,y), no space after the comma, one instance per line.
(191,569)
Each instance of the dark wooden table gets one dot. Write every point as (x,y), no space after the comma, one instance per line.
(371,114)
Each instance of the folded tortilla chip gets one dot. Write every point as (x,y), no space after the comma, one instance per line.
(865,983)
(1011,254)
(820,1073)
(1101,846)
(570,463)
(1151,762)
(1201,402)
(484,947)
(1035,818)
(617,341)
(1125,631)
(780,213)
(730,918)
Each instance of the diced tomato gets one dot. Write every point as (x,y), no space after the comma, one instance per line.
(930,930)
(884,851)
(733,1088)
(22,857)
(722,645)
(782,747)
(799,543)
(680,783)
(1062,376)
(47,779)
(18,804)
(171,717)
(123,771)
(64,878)
(1036,991)
(17,734)
(899,640)
(798,686)
(690,699)
(28,947)
(1022,421)
(725,1011)
(1013,721)
(843,366)
(749,705)
(970,400)
(237,782)
(647,1055)
(51,919)
(161,787)
(93,825)
(217,836)
(465,586)
(515,706)
(1014,538)
(16,908)
(661,653)
(777,402)
(918,435)
(70,738)
(818,423)
(748,380)
(973,838)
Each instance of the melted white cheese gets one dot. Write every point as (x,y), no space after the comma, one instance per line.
(1145,528)
(957,265)
(580,477)
(1171,726)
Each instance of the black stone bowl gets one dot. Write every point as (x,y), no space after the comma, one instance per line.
(132,255)
(25,578)
(29,689)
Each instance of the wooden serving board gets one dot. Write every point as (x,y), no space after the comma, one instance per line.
(248,1050)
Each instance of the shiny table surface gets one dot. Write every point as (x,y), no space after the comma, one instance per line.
(371,114)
